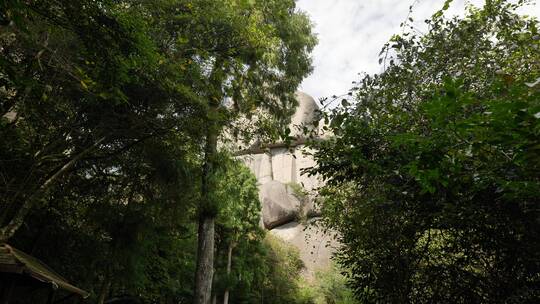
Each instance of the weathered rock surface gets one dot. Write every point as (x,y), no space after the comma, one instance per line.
(287,194)
(260,165)
(304,115)
(264,168)
(278,206)
(314,245)
(283,165)
(302,161)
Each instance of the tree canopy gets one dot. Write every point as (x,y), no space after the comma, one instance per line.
(110,112)
(432,170)
(119,120)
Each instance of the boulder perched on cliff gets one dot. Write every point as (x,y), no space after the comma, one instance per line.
(288,196)
(278,206)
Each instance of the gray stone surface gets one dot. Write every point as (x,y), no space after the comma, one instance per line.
(260,165)
(281,208)
(304,115)
(278,206)
(288,232)
(283,165)
(265,168)
(305,161)
(311,207)
(314,245)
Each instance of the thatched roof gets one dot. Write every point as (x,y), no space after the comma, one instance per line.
(17,262)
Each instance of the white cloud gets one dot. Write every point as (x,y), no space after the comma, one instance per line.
(352,32)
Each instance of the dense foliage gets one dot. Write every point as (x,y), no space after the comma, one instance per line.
(110,113)
(110,170)
(433,170)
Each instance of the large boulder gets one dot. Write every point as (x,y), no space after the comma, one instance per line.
(260,165)
(278,206)
(288,196)
(283,165)
(264,168)
(304,115)
(303,160)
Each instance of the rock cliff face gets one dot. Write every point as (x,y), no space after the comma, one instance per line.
(288,208)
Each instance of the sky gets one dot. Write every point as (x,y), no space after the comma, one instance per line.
(351,34)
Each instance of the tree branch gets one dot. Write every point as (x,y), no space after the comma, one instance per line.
(9,230)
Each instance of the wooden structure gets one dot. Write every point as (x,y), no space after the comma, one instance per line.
(22,276)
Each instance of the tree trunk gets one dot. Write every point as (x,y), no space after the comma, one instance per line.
(229,262)
(207,218)
(104,290)
(205,261)
(208,208)
(214,294)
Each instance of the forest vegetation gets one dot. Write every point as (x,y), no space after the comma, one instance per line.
(119,124)
(433,172)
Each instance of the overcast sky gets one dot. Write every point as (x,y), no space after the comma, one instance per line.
(351,34)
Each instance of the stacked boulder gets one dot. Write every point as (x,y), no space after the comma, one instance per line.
(288,208)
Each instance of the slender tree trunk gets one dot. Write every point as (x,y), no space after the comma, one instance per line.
(229,262)
(205,261)
(104,290)
(207,218)
(214,293)
(208,209)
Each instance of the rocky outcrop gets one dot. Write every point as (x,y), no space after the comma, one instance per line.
(283,165)
(314,244)
(304,115)
(287,195)
(278,205)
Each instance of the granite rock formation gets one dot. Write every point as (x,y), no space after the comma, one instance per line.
(279,206)
(287,195)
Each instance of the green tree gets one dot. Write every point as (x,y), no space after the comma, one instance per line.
(432,172)
(252,56)
(238,220)
(100,145)
(284,267)
(251,266)
(110,112)
(81,82)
